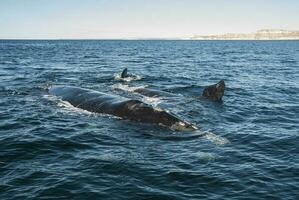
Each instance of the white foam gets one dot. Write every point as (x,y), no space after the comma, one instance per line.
(216,139)
(126,87)
(154,101)
(50,97)
(67,106)
(127,79)
(46,86)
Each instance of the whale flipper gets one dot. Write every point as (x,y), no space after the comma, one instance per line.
(214,92)
(124,73)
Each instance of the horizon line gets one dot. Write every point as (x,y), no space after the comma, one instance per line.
(149,39)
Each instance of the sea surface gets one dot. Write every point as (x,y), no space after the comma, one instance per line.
(247,147)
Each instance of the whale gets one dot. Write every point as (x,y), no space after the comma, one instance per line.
(125,108)
(126,76)
(214,92)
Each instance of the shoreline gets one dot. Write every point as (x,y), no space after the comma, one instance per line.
(151,39)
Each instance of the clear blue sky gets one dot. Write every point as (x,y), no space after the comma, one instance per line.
(57,19)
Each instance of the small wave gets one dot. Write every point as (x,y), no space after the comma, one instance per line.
(215,139)
(206,156)
(127,79)
(11,91)
(179,136)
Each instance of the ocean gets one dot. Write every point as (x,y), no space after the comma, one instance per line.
(249,148)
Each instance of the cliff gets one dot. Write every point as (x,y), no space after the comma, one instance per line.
(264,34)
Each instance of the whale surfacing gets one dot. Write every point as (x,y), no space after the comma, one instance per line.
(215,92)
(122,107)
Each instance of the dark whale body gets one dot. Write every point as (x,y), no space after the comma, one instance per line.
(215,92)
(122,107)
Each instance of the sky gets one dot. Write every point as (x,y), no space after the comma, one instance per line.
(127,19)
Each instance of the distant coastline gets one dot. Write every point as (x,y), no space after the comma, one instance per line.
(264,34)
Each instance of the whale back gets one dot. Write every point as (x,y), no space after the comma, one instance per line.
(122,107)
(86,99)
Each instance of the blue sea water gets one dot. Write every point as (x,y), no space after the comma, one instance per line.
(50,150)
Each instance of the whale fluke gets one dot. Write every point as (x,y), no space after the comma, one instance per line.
(214,92)
(124,73)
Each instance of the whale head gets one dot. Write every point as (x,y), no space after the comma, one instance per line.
(139,111)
